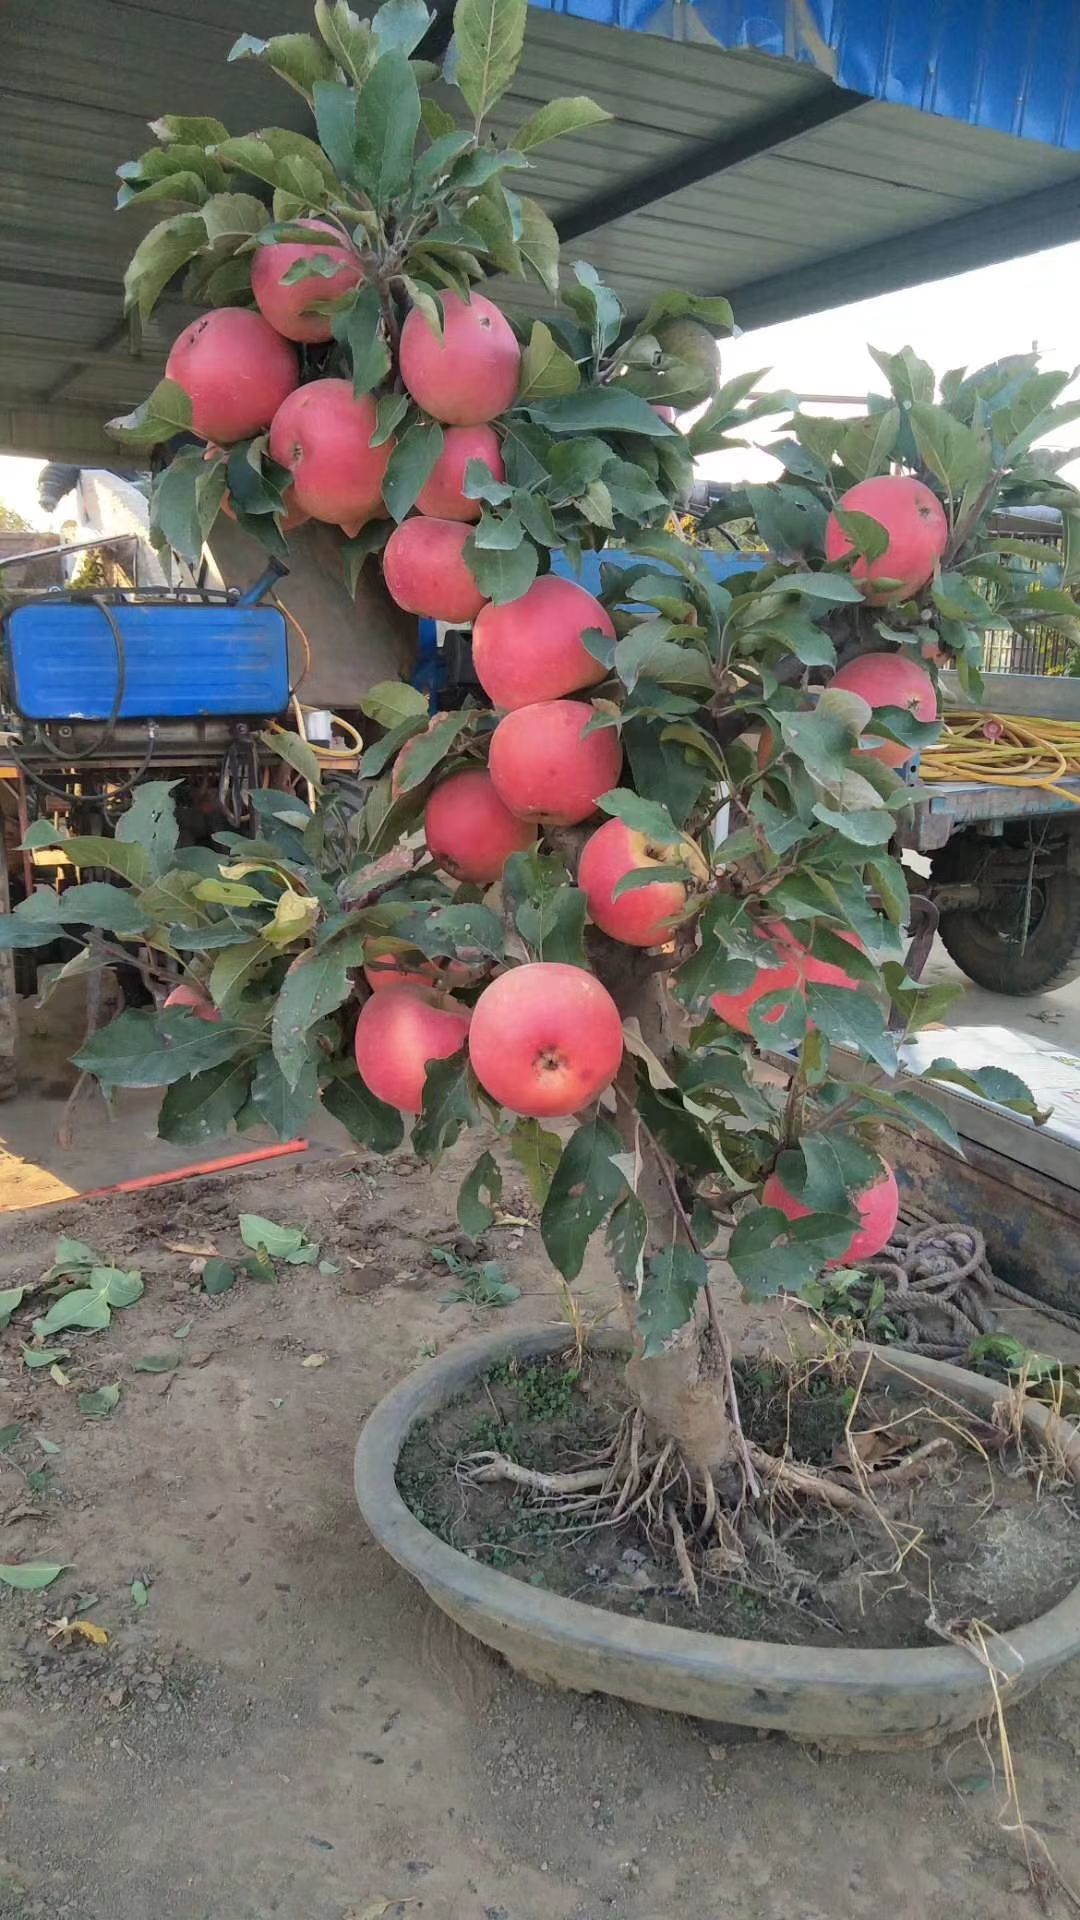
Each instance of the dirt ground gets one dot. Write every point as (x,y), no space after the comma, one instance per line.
(286,1729)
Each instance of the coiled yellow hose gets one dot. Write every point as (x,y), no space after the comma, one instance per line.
(1002,750)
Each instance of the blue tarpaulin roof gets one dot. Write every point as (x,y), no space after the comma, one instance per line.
(791,154)
(1000,64)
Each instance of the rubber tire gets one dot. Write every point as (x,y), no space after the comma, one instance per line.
(1051,957)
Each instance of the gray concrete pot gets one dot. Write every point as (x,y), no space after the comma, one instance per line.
(829,1695)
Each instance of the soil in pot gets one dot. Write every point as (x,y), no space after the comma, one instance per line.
(963,1523)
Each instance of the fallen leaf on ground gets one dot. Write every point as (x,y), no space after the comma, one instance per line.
(263,1235)
(218,1276)
(97,1406)
(140,1594)
(59,1376)
(157,1363)
(10,1298)
(69,1630)
(45,1356)
(31,1577)
(186,1246)
(9,1435)
(315,1360)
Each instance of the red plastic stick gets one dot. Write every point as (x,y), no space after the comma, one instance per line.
(276,1152)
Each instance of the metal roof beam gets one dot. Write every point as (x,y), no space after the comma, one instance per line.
(1024,225)
(18,347)
(705,159)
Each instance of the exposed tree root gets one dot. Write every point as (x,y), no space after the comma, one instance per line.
(704,1526)
(911,1467)
(497,1466)
(687,1581)
(785,1477)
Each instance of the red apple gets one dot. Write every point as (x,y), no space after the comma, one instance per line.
(639,918)
(469,832)
(544,766)
(918,531)
(531,649)
(889,680)
(545,1039)
(186,995)
(877,1207)
(398,1033)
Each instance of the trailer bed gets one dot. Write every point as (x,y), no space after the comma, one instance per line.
(948,806)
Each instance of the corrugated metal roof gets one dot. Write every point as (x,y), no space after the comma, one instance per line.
(772,150)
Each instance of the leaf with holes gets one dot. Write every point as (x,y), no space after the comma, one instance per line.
(316,984)
(489,36)
(537,1152)
(449,1105)
(205,1106)
(670,1286)
(771,1254)
(142,1049)
(586,1184)
(625,1238)
(478,1196)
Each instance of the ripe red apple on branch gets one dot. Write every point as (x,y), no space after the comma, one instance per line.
(538,851)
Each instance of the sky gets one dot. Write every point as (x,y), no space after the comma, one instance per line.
(965,321)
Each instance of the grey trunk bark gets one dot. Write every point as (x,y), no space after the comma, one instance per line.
(682,1390)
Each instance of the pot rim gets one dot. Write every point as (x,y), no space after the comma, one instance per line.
(1031,1649)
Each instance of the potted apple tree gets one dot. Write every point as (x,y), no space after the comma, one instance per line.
(636,920)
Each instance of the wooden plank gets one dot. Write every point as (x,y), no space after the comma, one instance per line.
(1029,1219)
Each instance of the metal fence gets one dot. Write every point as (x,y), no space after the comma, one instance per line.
(1036,649)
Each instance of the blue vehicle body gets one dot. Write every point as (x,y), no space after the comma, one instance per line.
(430,675)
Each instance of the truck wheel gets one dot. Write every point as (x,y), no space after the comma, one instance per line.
(987,942)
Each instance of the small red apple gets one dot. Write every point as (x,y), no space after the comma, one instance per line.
(186,995)
(640,917)
(469,832)
(398,1033)
(918,531)
(878,1207)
